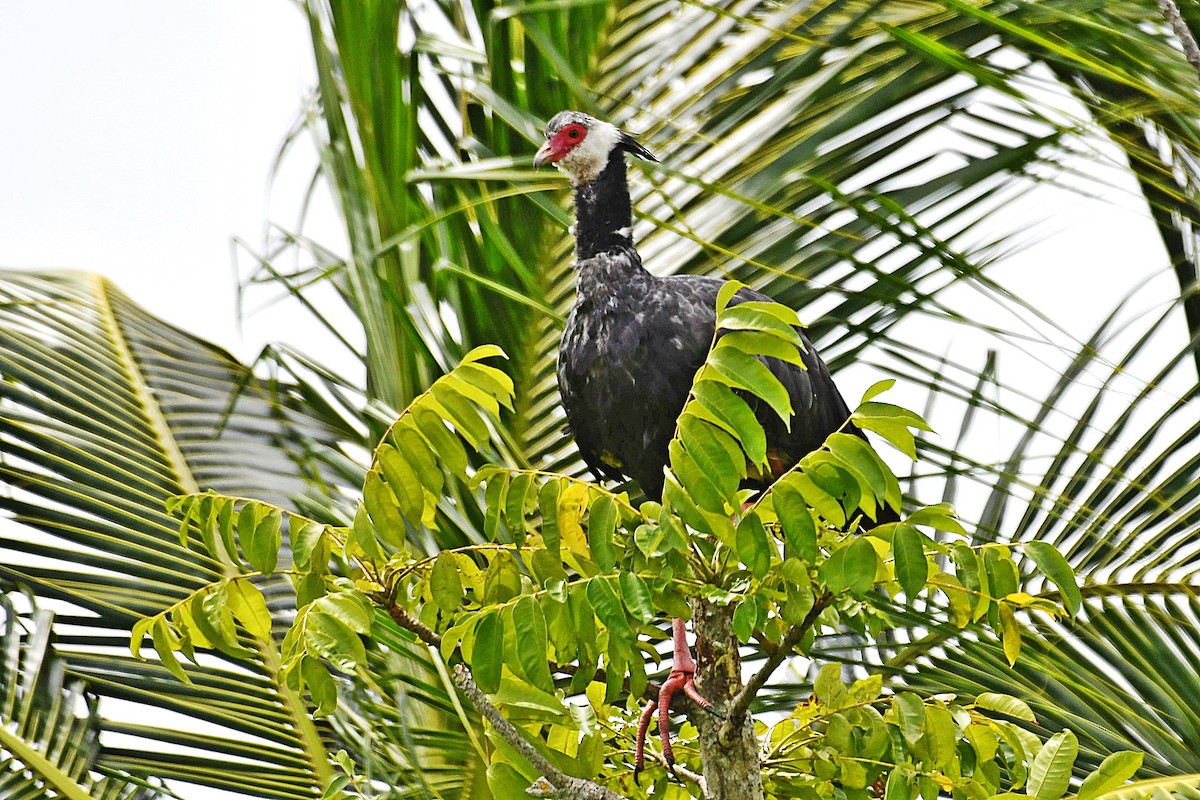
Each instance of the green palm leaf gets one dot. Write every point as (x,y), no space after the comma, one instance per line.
(50,752)
(107,412)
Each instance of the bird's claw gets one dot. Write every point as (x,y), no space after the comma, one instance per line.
(678,681)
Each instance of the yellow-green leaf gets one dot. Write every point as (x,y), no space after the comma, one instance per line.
(1113,771)
(249,607)
(1050,774)
(445,584)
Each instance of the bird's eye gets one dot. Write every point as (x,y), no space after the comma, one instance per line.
(575,132)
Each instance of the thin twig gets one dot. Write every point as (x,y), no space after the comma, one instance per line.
(682,771)
(1190,49)
(741,702)
(553,782)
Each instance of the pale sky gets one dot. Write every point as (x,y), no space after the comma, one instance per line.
(138,140)
(138,137)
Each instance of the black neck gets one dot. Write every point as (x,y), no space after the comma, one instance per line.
(603,215)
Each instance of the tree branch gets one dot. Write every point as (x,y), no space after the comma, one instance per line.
(402,618)
(553,782)
(1170,11)
(741,702)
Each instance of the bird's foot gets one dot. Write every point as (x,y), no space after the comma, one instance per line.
(682,679)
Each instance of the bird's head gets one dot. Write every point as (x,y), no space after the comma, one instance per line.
(581,145)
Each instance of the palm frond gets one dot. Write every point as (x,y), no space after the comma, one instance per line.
(50,751)
(106,412)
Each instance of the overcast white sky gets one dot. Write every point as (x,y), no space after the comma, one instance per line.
(138,136)
(137,141)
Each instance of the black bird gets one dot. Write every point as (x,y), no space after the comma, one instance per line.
(633,343)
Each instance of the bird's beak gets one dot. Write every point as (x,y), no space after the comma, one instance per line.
(544,155)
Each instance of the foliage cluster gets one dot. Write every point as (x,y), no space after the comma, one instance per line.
(856,160)
(558,600)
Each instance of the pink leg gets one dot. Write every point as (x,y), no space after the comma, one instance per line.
(682,678)
(639,755)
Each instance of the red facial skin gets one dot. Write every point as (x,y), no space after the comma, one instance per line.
(561,143)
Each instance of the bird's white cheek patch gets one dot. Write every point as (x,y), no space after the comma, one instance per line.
(587,159)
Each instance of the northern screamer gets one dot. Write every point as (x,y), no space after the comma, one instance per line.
(632,345)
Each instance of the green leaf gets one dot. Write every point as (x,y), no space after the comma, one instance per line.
(463,414)
(829,688)
(861,564)
(1006,704)
(743,371)
(1010,633)
(960,601)
(865,462)
(305,538)
(1056,568)
(602,523)
(753,545)
(487,657)
(787,316)
(876,389)
(262,549)
(514,506)
(636,595)
(441,441)
(416,451)
(912,569)
(608,609)
(445,584)
(494,502)
(715,452)
(910,713)
(249,607)
(1113,771)
(548,504)
(349,608)
(382,506)
(796,521)
(745,617)
(164,645)
(1050,774)
(321,688)
(726,293)
(326,635)
(899,785)
(753,317)
(940,735)
(800,601)
(502,580)
(821,501)
(532,642)
(402,479)
(736,415)
(694,479)
(503,780)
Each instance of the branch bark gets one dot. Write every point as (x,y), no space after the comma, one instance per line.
(732,770)
(1171,13)
(553,782)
